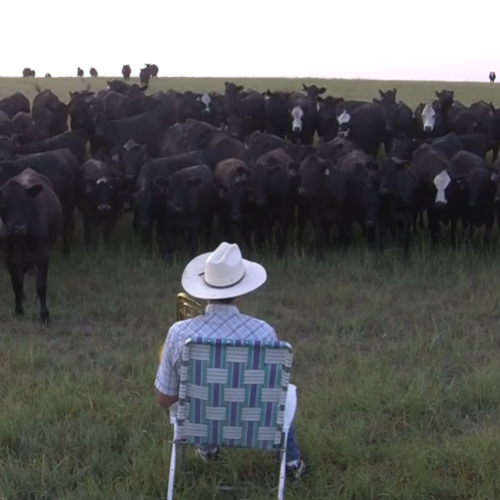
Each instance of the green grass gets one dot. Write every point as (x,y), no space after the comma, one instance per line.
(397,365)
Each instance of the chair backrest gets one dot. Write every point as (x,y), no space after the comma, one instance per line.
(233,393)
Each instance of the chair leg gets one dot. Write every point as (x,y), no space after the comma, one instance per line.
(281,488)
(171,475)
(182,450)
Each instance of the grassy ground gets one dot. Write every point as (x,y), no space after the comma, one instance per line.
(397,367)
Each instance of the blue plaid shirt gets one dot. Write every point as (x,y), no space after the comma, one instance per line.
(219,321)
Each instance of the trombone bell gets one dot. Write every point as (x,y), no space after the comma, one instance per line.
(187,308)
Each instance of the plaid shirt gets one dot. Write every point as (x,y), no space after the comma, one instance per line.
(219,321)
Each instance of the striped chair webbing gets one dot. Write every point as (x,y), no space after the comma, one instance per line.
(233,393)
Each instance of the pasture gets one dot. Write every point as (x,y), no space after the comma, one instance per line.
(397,363)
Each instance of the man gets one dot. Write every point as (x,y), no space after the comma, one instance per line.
(221,278)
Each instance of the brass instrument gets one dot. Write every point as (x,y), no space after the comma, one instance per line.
(187,308)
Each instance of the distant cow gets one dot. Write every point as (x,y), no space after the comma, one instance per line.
(126,72)
(144,76)
(15,103)
(31,217)
(93,72)
(493,77)
(48,75)
(28,73)
(79,72)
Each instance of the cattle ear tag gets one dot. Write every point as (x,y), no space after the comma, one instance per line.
(327,171)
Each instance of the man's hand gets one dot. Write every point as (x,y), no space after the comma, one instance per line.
(165,401)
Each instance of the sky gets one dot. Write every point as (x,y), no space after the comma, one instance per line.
(369,39)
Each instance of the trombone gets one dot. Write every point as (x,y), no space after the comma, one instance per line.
(187,308)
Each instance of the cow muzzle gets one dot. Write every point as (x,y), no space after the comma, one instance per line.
(19,229)
(428,128)
(104,208)
(439,205)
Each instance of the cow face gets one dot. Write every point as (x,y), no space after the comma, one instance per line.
(179,191)
(313,92)
(231,90)
(235,194)
(297,114)
(446,188)
(369,195)
(314,174)
(446,98)
(14,205)
(101,193)
(134,156)
(428,118)
(205,101)
(389,171)
(389,96)
(344,120)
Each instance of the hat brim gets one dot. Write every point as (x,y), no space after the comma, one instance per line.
(194,284)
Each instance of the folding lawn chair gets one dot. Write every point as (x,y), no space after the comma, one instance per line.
(234,394)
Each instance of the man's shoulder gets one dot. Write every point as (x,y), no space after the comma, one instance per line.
(257,323)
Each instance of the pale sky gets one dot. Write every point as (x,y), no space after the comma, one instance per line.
(375,39)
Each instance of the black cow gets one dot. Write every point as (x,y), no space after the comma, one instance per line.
(79,72)
(460,119)
(126,72)
(98,200)
(145,128)
(313,92)
(399,194)
(31,217)
(449,145)
(303,119)
(335,149)
(48,75)
(93,72)
(75,141)
(198,134)
(144,76)
(363,202)
(478,188)
(276,113)
(403,148)
(25,129)
(388,97)
(174,142)
(322,198)
(79,111)
(429,120)
(28,73)
(492,76)
(130,158)
(49,113)
(274,184)
(245,115)
(15,103)
(328,125)
(398,119)
(190,206)
(62,168)
(365,127)
(484,114)
(231,90)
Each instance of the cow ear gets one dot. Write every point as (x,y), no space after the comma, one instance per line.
(34,191)
(240,87)
(322,90)
(381,93)
(194,181)
(162,182)
(376,100)
(305,87)
(395,90)
(437,93)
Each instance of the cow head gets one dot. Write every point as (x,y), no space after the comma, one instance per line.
(297,114)
(389,171)
(314,174)
(178,190)
(15,199)
(389,96)
(231,90)
(236,193)
(134,156)
(428,118)
(446,98)
(313,92)
(344,120)
(445,188)
(102,193)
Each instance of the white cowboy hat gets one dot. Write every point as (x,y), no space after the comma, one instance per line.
(222,274)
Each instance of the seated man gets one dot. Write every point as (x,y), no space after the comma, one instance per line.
(221,278)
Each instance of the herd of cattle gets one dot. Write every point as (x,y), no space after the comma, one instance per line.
(178,161)
(145,74)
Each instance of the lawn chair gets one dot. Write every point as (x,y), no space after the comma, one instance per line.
(234,394)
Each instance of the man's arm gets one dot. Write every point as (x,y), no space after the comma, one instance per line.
(167,377)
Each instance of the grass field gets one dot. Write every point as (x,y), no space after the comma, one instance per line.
(397,364)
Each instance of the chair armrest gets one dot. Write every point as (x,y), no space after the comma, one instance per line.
(290,406)
(173,413)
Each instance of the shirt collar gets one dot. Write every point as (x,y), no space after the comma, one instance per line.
(221,309)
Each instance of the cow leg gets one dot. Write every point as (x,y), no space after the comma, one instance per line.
(319,239)
(193,240)
(17,280)
(453,232)
(68,230)
(41,290)
(109,225)
(87,232)
(433,228)
(382,234)
(495,150)
(404,237)
(135,224)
